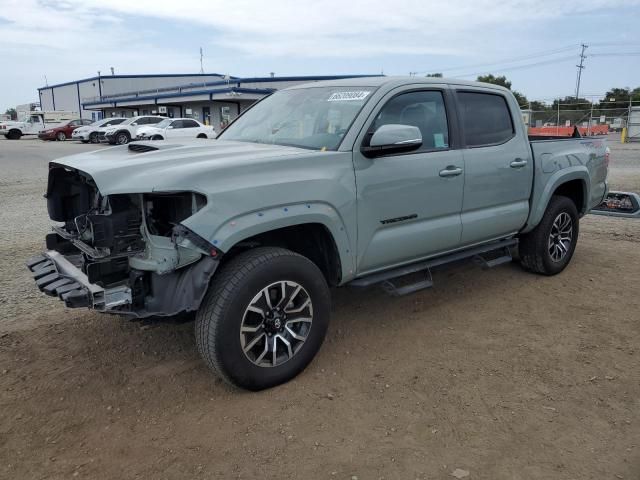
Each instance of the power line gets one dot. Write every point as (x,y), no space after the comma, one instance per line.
(542,53)
(615,54)
(519,67)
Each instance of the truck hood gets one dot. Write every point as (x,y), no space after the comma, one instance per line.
(169,165)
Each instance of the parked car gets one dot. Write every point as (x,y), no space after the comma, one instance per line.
(63,131)
(32,123)
(354,182)
(175,128)
(89,133)
(123,133)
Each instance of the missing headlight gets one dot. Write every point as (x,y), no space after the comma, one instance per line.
(164,211)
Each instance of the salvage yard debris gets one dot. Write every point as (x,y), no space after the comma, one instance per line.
(619,204)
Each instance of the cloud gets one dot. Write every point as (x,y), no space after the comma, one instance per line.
(69,39)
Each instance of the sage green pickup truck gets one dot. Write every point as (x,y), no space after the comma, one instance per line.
(367,181)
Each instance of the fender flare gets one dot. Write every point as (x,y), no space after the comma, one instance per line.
(539,205)
(249,224)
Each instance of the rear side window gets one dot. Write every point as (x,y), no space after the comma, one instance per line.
(486,119)
(189,124)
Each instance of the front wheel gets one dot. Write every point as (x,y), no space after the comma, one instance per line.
(93,138)
(549,247)
(122,138)
(264,318)
(61,136)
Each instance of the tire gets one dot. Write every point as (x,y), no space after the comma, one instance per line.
(122,138)
(157,137)
(241,284)
(202,135)
(6,135)
(61,136)
(543,250)
(93,138)
(14,135)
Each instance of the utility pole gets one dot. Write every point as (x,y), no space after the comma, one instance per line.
(201,66)
(580,67)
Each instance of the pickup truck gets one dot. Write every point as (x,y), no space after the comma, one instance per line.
(32,123)
(352,182)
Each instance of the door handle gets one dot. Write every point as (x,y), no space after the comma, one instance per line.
(451,171)
(518,163)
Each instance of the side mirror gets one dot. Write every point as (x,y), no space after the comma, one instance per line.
(134,124)
(393,138)
(170,126)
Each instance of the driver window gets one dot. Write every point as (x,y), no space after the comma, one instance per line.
(424,110)
(177,124)
(34,119)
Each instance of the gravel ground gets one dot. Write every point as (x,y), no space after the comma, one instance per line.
(501,374)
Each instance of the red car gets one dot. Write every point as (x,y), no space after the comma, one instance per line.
(63,130)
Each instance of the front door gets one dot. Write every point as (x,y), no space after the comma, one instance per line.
(409,204)
(498,167)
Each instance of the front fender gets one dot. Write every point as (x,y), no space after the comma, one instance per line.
(249,224)
(541,199)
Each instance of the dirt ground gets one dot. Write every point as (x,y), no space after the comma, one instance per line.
(499,373)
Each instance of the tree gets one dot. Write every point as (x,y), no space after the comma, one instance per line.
(12,112)
(537,106)
(436,75)
(503,82)
(619,98)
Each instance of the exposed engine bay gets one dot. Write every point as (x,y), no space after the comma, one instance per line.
(131,252)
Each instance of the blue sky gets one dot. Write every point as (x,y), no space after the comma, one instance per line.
(534,43)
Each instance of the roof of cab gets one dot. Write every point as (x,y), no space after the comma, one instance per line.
(395,81)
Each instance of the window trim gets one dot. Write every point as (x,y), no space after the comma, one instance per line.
(461,129)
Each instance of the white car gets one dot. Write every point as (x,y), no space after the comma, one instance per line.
(90,132)
(175,128)
(127,130)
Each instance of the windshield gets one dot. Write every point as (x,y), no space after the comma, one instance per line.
(105,122)
(164,123)
(315,118)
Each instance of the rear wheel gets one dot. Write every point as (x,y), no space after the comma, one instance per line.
(14,135)
(264,318)
(122,138)
(202,135)
(61,136)
(549,247)
(157,137)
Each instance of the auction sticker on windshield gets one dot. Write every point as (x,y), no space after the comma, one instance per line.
(347,96)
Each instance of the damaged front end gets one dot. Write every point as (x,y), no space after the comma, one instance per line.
(122,253)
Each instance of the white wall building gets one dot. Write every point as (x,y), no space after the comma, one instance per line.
(211,98)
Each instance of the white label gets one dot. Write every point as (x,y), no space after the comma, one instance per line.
(347,96)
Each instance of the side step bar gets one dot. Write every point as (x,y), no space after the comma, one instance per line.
(386,278)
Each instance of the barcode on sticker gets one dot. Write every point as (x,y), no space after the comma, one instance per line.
(347,96)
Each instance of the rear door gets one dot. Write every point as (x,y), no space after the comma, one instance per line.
(409,204)
(498,165)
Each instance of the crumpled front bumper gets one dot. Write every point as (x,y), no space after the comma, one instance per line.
(56,275)
(169,294)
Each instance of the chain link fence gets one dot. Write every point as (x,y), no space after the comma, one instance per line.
(560,119)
